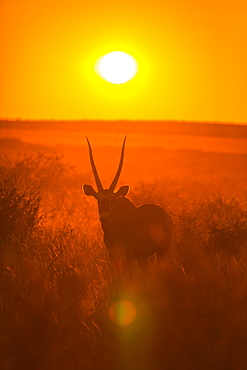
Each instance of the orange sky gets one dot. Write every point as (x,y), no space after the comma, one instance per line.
(192,59)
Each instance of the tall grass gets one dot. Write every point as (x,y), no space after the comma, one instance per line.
(57,282)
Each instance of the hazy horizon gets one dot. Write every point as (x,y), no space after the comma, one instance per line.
(37,120)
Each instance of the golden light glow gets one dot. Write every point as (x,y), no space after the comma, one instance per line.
(122,312)
(115,95)
(189,68)
(117,67)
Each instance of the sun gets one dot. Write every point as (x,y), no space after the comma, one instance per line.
(116,67)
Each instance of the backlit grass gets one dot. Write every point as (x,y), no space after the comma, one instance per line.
(58,283)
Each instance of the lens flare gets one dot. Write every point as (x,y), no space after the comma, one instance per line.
(117,67)
(122,312)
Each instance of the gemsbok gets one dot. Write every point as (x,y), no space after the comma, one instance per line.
(130,232)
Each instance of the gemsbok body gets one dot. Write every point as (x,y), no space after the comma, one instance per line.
(130,232)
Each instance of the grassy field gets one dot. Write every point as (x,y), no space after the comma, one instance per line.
(58,284)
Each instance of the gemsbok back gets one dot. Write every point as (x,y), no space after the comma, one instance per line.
(130,232)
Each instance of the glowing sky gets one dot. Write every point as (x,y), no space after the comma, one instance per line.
(192,58)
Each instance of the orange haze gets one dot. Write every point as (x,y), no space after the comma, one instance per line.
(191,56)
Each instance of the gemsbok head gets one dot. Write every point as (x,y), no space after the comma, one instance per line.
(130,232)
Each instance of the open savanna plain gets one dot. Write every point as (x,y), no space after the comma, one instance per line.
(58,285)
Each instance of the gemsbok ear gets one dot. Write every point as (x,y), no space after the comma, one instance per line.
(89,190)
(123,191)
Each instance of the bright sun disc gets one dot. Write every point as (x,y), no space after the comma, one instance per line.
(117,67)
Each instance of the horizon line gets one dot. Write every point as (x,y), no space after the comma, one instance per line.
(21,120)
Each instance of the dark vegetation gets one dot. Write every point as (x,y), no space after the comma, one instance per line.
(57,282)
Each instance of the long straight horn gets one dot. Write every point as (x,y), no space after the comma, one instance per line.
(114,182)
(96,176)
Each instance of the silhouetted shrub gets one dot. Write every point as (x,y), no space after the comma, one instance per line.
(56,291)
(19,208)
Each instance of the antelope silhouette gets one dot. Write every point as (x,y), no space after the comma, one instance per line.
(130,232)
